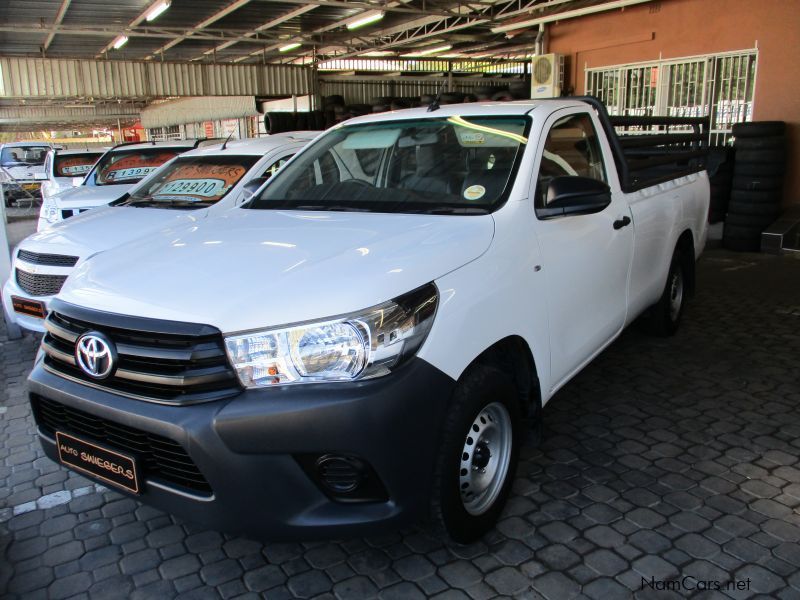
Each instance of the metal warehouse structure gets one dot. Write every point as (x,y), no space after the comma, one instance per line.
(98,62)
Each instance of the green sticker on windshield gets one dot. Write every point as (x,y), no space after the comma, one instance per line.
(474,192)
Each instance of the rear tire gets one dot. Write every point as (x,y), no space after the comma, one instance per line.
(477,456)
(666,314)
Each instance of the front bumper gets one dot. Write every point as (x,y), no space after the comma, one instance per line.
(25,321)
(248,448)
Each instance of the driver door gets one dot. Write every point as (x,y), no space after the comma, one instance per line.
(587,257)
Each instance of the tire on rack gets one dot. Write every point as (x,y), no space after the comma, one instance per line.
(757,183)
(746,208)
(477,454)
(756,196)
(769,155)
(664,317)
(759,169)
(760,222)
(775,142)
(742,238)
(751,244)
(757,129)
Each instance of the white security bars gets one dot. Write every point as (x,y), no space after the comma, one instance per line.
(720,85)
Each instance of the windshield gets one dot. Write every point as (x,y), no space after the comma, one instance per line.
(458,165)
(29,156)
(131,166)
(192,182)
(74,165)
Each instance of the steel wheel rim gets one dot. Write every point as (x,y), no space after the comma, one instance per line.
(675,294)
(485,458)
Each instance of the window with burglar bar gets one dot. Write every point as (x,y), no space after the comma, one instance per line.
(719,85)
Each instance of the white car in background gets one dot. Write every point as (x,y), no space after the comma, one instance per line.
(111,177)
(184,191)
(22,169)
(66,169)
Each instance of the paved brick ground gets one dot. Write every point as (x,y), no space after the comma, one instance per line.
(664,459)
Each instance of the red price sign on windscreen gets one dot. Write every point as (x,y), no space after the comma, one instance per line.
(72,167)
(135,167)
(202,182)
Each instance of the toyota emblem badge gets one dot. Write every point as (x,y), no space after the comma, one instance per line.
(95,355)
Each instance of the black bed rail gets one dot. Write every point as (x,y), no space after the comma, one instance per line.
(652,150)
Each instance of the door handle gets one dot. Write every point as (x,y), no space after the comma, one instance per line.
(623,222)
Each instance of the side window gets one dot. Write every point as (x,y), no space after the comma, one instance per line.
(273,168)
(572,149)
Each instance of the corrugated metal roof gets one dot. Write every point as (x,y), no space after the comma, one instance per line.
(320,24)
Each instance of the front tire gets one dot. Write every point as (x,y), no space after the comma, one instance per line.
(477,456)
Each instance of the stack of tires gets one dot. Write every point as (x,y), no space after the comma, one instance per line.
(721,179)
(757,186)
(280,122)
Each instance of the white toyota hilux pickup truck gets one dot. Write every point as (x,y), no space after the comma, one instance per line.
(184,190)
(360,345)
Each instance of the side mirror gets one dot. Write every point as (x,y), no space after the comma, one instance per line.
(251,187)
(574,196)
(76,181)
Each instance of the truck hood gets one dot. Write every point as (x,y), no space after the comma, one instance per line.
(248,269)
(106,227)
(85,196)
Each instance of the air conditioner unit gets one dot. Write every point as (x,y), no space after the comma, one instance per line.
(547,75)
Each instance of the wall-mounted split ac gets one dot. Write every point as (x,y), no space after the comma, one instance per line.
(547,75)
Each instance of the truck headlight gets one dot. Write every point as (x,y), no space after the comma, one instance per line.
(362,345)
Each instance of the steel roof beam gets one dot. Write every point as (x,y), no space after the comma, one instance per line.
(62,10)
(263,27)
(233,6)
(148,32)
(354,44)
(142,16)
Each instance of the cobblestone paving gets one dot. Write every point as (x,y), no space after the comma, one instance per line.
(665,460)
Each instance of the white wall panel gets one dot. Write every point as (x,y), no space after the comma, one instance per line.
(65,78)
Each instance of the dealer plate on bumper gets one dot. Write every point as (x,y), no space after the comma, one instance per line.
(107,465)
(32,308)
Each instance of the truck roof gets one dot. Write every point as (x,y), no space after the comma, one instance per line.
(166,144)
(255,146)
(82,151)
(516,107)
(26,144)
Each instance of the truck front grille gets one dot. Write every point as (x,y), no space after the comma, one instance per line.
(158,361)
(159,458)
(51,260)
(37,284)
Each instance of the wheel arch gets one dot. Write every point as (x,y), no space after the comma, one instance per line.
(513,355)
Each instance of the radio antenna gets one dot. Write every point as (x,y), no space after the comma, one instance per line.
(434,105)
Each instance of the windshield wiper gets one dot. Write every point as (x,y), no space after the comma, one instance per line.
(149,202)
(451,210)
(340,207)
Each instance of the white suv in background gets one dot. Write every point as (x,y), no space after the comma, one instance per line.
(184,191)
(22,169)
(116,172)
(66,169)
